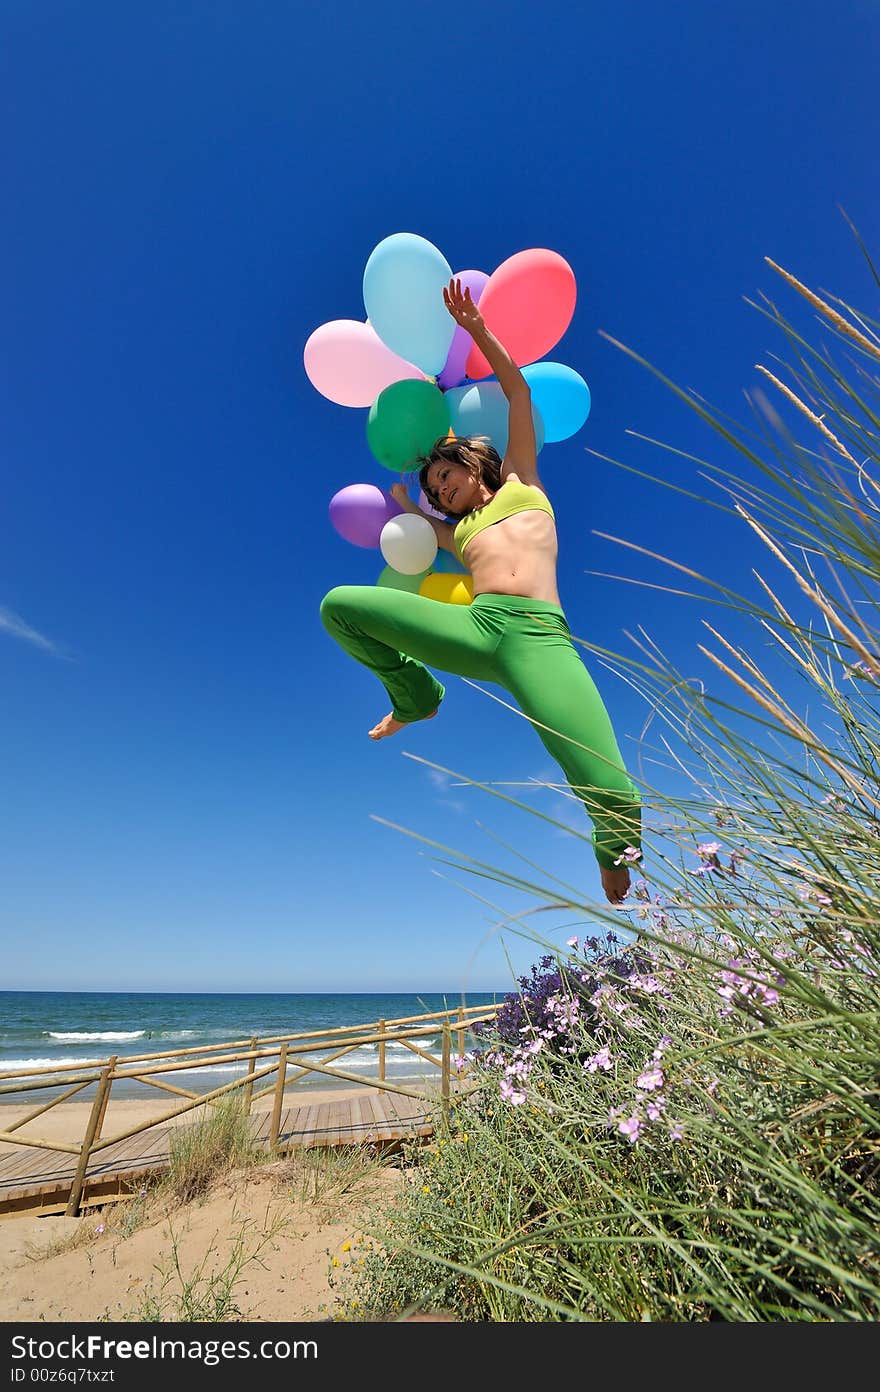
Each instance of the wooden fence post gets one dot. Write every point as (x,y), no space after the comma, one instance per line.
(249,1085)
(279,1097)
(95,1119)
(382,1051)
(111,1064)
(444,1075)
(460,1032)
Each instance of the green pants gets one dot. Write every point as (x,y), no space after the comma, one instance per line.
(521,644)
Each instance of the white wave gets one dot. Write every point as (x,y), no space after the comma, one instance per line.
(96,1037)
(364,1060)
(16,1065)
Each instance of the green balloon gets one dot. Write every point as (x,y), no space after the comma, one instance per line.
(395,579)
(404,422)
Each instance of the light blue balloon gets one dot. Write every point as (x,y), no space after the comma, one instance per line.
(561,395)
(403,296)
(481,408)
(447,564)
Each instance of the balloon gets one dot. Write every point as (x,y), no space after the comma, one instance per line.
(453,370)
(394,580)
(481,408)
(445,561)
(562,397)
(404,422)
(349,364)
(528,302)
(403,296)
(360,511)
(408,543)
(451,589)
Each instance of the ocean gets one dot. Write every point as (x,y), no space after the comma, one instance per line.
(38,1028)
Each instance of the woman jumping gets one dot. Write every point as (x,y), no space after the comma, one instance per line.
(514,632)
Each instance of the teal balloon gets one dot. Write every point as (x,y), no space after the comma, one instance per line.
(481,408)
(403,296)
(395,580)
(404,421)
(447,564)
(561,395)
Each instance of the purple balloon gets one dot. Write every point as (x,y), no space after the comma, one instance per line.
(453,370)
(360,511)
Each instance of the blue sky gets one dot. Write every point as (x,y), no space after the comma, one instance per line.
(190,190)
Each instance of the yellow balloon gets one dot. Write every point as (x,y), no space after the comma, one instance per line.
(451,589)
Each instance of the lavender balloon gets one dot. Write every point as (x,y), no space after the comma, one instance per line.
(453,370)
(360,511)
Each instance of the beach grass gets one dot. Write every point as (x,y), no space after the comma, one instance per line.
(216,1144)
(206,1292)
(325,1178)
(682,1122)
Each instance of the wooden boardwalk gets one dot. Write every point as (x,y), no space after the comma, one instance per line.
(38,1181)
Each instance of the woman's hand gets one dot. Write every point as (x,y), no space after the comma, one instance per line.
(400,494)
(461,306)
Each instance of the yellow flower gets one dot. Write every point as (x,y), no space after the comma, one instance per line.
(346,1246)
(425,1189)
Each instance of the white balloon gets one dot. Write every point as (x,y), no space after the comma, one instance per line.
(408,543)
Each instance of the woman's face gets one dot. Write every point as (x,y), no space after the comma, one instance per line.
(454,487)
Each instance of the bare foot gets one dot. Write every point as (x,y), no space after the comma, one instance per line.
(615,882)
(390,726)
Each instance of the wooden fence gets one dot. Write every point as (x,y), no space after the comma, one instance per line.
(283,1059)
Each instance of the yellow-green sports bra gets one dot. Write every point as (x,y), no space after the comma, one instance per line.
(511,497)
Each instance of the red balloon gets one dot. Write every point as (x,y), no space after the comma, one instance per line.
(528,303)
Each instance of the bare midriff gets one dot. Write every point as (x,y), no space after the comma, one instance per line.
(516,556)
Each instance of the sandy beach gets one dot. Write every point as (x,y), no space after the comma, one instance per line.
(292,1239)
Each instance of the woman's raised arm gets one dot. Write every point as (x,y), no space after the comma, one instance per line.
(521,454)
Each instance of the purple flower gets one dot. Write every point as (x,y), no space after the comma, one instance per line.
(650,1080)
(630,1128)
(511,1094)
(631,854)
(600,1060)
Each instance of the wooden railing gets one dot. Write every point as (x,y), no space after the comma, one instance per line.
(284,1056)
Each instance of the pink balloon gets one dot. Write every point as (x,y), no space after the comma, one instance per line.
(349,364)
(462,343)
(528,303)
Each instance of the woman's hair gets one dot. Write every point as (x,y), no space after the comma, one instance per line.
(473,452)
